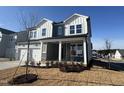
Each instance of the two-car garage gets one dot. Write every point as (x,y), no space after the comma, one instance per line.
(34,54)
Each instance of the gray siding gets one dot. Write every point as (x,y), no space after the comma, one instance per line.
(7,46)
(22,36)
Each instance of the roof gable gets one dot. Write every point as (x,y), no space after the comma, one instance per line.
(43,21)
(75,15)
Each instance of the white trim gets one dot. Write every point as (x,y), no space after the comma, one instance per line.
(33,31)
(60,51)
(44,46)
(41,49)
(44,19)
(75,14)
(75,30)
(85,52)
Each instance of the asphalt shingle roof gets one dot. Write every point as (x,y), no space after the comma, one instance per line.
(6,31)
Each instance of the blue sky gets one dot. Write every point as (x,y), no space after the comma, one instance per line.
(106,22)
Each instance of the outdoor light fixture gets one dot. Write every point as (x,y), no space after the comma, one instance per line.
(15,37)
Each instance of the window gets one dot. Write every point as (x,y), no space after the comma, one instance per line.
(35,34)
(72,29)
(78,28)
(72,47)
(44,48)
(31,34)
(44,32)
(59,30)
(79,47)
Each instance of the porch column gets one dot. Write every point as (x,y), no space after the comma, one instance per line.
(60,51)
(41,46)
(85,52)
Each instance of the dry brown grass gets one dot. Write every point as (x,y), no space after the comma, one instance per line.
(54,77)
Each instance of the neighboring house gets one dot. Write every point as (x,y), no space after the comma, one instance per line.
(7,43)
(69,40)
(119,54)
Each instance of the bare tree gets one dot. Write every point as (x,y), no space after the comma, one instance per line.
(28,22)
(108,45)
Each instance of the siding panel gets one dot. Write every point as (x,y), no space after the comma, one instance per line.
(75,21)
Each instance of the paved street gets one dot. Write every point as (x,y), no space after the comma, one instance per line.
(9,64)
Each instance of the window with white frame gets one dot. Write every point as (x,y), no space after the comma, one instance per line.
(72,29)
(31,34)
(44,48)
(35,34)
(44,32)
(78,28)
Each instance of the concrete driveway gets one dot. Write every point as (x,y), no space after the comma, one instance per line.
(9,64)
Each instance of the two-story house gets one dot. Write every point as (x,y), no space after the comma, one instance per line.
(7,43)
(69,40)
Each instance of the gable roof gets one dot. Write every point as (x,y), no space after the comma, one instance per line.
(6,31)
(75,14)
(121,51)
(44,19)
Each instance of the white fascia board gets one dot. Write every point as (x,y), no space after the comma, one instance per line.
(44,19)
(75,14)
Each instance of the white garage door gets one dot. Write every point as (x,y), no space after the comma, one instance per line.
(36,54)
(23,55)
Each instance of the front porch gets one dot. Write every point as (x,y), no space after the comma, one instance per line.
(71,49)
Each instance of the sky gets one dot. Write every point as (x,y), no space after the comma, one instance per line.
(106,22)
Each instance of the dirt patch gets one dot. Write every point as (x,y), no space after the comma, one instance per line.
(54,77)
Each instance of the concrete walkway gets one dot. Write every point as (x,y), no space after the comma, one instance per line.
(9,64)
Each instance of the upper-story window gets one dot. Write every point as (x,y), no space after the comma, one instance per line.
(78,28)
(31,34)
(59,30)
(72,29)
(44,32)
(35,34)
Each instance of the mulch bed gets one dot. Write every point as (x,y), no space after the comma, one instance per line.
(24,78)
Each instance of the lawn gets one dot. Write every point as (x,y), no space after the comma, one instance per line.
(54,77)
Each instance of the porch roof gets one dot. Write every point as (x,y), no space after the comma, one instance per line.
(56,39)
(63,38)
